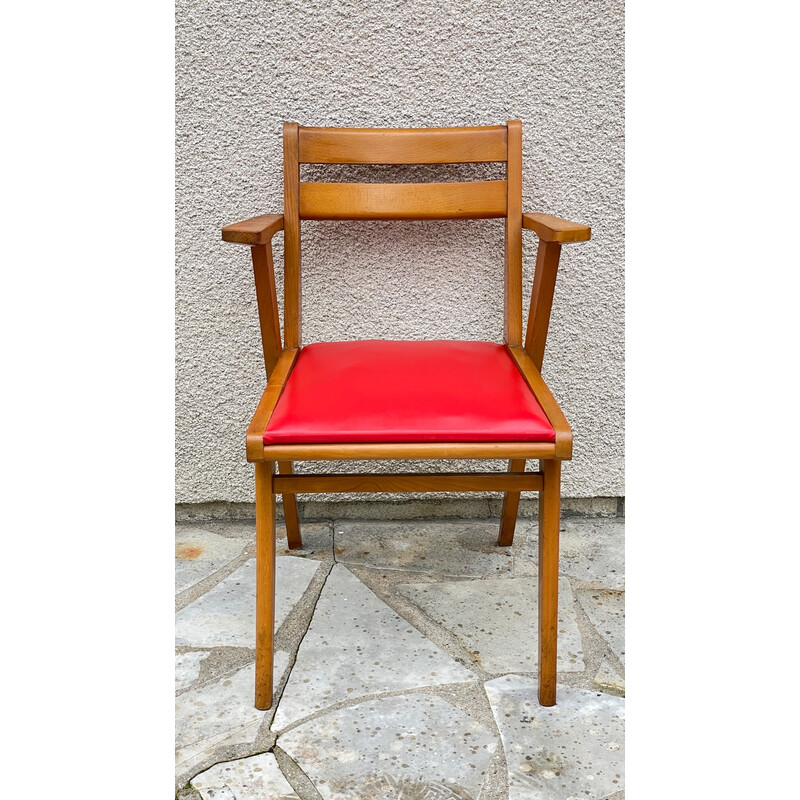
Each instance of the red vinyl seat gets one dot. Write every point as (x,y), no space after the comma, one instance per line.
(390,391)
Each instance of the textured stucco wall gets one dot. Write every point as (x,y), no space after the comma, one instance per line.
(245,67)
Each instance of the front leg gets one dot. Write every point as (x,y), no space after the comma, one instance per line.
(549,523)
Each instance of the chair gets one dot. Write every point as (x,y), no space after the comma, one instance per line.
(406,400)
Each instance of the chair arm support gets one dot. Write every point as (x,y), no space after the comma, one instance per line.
(554,229)
(257,230)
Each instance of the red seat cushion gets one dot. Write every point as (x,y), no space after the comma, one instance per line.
(386,391)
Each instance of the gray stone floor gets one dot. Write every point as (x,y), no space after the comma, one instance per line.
(405,665)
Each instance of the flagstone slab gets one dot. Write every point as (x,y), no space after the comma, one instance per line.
(592,550)
(220,713)
(200,553)
(575,749)
(254,778)
(606,611)
(608,679)
(187,668)
(225,615)
(414,746)
(452,549)
(496,620)
(357,645)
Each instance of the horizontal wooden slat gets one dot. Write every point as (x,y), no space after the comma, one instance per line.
(408,482)
(421,450)
(402,145)
(471,200)
(258,230)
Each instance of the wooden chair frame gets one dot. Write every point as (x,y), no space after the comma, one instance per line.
(484,199)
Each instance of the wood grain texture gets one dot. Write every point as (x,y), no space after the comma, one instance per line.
(544,284)
(466,200)
(265,582)
(291,518)
(563,445)
(423,450)
(555,229)
(508,513)
(409,482)
(402,145)
(257,230)
(512,294)
(549,524)
(292,288)
(264,274)
(469,200)
(277,379)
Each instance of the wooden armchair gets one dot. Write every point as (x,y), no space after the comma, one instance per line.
(406,400)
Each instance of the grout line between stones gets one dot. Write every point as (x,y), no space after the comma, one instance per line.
(293,655)
(187,596)
(295,776)
(594,642)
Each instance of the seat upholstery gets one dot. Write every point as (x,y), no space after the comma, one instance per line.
(391,391)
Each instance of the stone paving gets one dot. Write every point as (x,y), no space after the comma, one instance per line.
(405,665)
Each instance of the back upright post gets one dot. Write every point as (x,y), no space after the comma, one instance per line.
(512,311)
(292,294)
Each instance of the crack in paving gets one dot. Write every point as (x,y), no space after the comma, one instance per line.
(363,698)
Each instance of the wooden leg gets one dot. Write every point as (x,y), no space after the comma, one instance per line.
(508,516)
(290,511)
(265,582)
(549,523)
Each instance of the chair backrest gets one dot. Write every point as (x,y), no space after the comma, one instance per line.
(403,201)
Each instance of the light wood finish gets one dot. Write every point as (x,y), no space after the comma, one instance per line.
(544,283)
(549,524)
(291,518)
(265,582)
(407,482)
(555,229)
(563,445)
(266,295)
(512,308)
(277,380)
(483,199)
(508,513)
(271,342)
(474,200)
(292,289)
(402,145)
(257,230)
(404,451)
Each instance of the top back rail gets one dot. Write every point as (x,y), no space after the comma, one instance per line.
(402,145)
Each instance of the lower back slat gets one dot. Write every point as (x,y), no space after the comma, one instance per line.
(470,200)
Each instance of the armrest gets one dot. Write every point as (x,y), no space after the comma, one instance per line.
(554,229)
(258,230)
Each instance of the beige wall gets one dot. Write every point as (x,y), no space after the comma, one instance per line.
(244,68)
